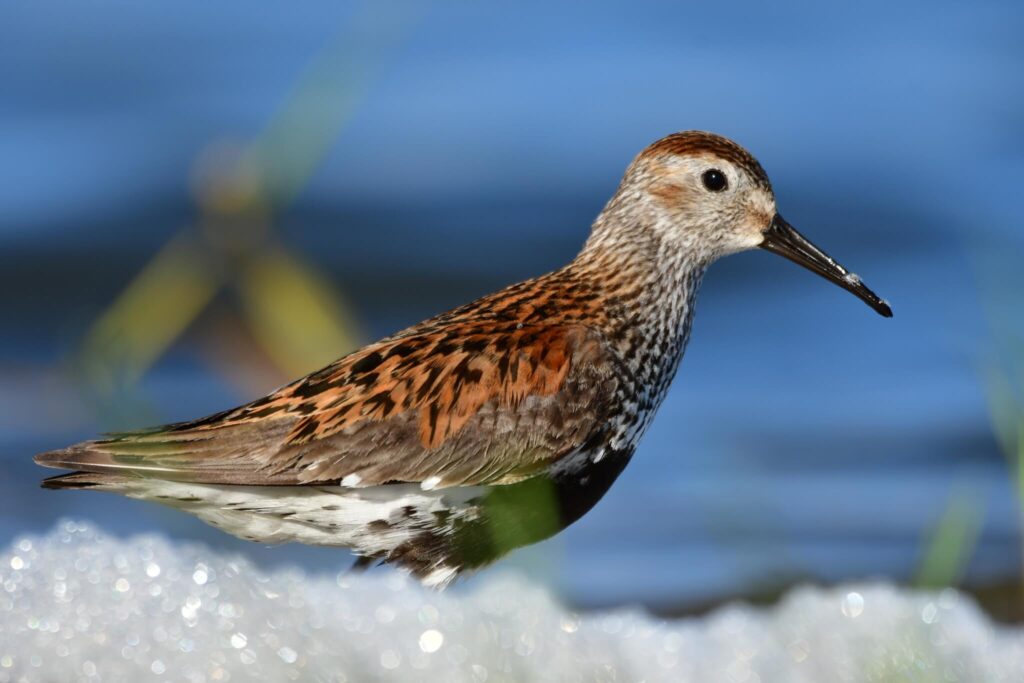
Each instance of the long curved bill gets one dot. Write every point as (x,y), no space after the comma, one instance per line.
(783,239)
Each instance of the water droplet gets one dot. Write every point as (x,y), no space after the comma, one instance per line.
(526,645)
(431,640)
(799,650)
(389,659)
(157,667)
(122,585)
(930,613)
(428,615)
(853,604)
(17,562)
(611,624)
(238,641)
(152,570)
(288,655)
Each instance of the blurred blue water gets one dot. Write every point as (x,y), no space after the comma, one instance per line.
(804,437)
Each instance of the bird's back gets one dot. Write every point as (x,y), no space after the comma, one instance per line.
(408,449)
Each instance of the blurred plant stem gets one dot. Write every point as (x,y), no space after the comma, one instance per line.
(952,544)
(149,315)
(293,313)
(949,548)
(1001,282)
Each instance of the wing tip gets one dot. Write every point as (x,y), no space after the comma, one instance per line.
(82,456)
(58,459)
(80,480)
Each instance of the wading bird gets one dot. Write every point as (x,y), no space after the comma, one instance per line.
(489,427)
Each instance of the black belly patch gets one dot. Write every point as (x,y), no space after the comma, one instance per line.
(509,517)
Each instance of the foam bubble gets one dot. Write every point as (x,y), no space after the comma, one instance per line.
(78,605)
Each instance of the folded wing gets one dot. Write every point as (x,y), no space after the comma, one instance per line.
(459,406)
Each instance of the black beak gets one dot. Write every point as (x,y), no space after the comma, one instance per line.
(783,239)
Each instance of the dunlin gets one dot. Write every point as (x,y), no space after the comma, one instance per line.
(488,427)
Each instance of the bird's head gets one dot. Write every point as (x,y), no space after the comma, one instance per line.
(705,196)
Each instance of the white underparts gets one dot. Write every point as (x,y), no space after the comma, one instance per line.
(372,521)
(440,577)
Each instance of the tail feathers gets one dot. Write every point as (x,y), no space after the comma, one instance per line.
(87,480)
(88,456)
(235,455)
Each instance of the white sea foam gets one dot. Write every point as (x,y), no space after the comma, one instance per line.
(75,605)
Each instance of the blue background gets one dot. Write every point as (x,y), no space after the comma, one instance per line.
(471,145)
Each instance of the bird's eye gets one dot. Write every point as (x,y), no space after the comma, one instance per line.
(714,180)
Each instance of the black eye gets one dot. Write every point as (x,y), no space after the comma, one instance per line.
(714,180)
